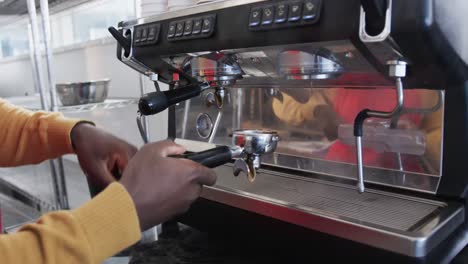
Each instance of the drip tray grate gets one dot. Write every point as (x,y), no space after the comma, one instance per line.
(391,211)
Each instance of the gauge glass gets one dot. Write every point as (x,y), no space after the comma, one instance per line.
(204,125)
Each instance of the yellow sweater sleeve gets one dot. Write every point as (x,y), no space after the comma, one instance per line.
(90,234)
(28,137)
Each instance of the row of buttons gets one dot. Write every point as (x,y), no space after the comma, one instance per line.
(305,12)
(146,35)
(200,27)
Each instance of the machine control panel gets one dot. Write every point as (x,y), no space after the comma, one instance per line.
(146,34)
(284,14)
(192,28)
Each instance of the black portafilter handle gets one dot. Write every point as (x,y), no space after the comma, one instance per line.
(124,42)
(156,102)
(211,158)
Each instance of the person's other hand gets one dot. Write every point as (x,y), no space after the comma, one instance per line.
(102,156)
(163,187)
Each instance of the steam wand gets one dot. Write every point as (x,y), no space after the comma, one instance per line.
(397,70)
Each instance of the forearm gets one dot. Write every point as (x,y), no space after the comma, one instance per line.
(28,137)
(96,231)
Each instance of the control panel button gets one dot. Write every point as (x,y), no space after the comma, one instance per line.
(295,12)
(144,34)
(192,28)
(207,25)
(188,27)
(179,29)
(137,36)
(172,30)
(255,17)
(151,33)
(281,13)
(197,26)
(267,15)
(310,9)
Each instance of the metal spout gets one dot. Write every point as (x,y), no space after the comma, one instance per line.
(397,69)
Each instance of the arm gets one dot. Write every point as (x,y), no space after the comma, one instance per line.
(90,234)
(28,137)
(153,189)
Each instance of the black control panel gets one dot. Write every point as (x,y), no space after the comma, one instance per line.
(284,14)
(146,34)
(192,28)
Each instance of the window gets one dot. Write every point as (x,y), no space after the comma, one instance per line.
(89,21)
(14,40)
(76,25)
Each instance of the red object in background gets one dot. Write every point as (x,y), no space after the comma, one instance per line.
(348,103)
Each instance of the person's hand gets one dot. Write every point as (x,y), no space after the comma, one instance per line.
(102,156)
(163,187)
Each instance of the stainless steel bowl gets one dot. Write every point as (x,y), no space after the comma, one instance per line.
(83,92)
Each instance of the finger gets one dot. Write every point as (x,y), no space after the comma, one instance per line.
(98,173)
(119,161)
(168,148)
(131,150)
(116,165)
(205,176)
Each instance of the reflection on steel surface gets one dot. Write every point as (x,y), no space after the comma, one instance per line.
(308,122)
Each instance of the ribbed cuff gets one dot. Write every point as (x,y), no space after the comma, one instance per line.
(59,131)
(110,222)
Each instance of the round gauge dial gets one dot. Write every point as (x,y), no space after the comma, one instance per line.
(204,125)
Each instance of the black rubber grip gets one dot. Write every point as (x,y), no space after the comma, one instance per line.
(210,158)
(359,121)
(124,42)
(156,102)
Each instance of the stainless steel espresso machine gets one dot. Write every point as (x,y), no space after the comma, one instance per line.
(348,117)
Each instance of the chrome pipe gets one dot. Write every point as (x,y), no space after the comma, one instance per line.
(47,36)
(37,54)
(397,70)
(49,53)
(185,118)
(141,127)
(33,59)
(216,125)
(360,183)
(398,108)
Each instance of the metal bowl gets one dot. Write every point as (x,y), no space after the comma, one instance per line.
(83,92)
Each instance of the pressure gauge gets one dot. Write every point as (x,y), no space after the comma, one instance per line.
(204,125)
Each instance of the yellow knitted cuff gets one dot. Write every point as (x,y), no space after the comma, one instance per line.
(110,222)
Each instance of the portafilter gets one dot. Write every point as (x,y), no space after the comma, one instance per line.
(247,148)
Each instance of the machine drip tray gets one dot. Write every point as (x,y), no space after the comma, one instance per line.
(403,224)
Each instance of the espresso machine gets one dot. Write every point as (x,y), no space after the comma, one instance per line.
(348,117)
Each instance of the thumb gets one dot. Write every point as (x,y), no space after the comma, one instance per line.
(100,174)
(169,148)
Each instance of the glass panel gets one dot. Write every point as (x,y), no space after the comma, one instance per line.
(315,126)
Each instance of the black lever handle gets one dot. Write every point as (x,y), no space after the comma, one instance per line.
(375,15)
(121,39)
(156,102)
(210,158)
